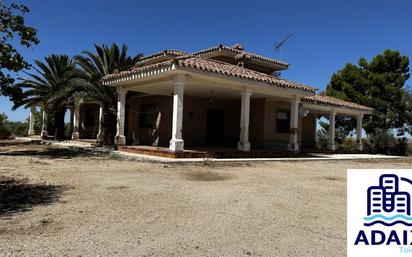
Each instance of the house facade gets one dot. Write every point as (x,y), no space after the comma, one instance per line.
(221,97)
(217,97)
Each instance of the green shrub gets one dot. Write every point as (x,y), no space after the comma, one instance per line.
(385,142)
(5,132)
(402,147)
(349,143)
(321,139)
(367,145)
(17,128)
(409,151)
(11,129)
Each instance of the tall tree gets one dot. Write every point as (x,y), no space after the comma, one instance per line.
(106,60)
(13,30)
(56,80)
(379,84)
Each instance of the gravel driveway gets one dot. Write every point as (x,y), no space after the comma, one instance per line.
(64,204)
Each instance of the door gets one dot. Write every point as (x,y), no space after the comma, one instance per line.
(214,126)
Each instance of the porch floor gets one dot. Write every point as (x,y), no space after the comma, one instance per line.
(205,152)
(163,155)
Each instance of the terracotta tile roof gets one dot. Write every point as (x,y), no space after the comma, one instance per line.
(238,49)
(240,72)
(171,53)
(328,100)
(210,65)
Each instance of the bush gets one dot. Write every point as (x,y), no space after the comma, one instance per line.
(321,139)
(349,143)
(18,128)
(10,129)
(409,151)
(5,132)
(385,142)
(367,145)
(402,146)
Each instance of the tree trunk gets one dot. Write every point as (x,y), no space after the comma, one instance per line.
(59,124)
(109,123)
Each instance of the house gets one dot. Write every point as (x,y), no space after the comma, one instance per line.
(219,97)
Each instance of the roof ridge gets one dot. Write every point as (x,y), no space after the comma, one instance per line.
(162,52)
(238,51)
(231,64)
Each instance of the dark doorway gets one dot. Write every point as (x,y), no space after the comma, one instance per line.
(214,126)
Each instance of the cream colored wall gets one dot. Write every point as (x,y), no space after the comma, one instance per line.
(143,134)
(306,129)
(270,133)
(257,119)
(195,120)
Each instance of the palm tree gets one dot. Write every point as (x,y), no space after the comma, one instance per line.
(106,60)
(56,80)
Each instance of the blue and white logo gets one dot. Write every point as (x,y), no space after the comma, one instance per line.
(387,205)
(379,221)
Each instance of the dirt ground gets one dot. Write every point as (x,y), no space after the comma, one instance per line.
(60,203)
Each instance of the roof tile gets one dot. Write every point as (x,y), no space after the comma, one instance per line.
(210,65)
(323,99)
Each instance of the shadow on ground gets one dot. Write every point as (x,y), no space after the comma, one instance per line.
(60,153)
(18,195)
(206,176)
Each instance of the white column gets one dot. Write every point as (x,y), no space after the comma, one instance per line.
(31,121)
(76,119)
(294,123)
(100,134)
(244,144)
(43,133)
(121,109)
(359,145)
(177,143)
(331,139)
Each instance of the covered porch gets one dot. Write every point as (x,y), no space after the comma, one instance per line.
(84,122)
(182,110)
(331,108)
(195,102)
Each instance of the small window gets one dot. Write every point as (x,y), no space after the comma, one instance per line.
(282,121)
(148,115)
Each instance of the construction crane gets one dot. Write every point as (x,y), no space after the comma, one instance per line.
(279,45)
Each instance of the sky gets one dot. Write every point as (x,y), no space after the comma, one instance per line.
(327,34)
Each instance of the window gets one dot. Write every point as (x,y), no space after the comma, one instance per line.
(147,115)
(282,121)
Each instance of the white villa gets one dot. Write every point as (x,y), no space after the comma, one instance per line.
(220,97)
